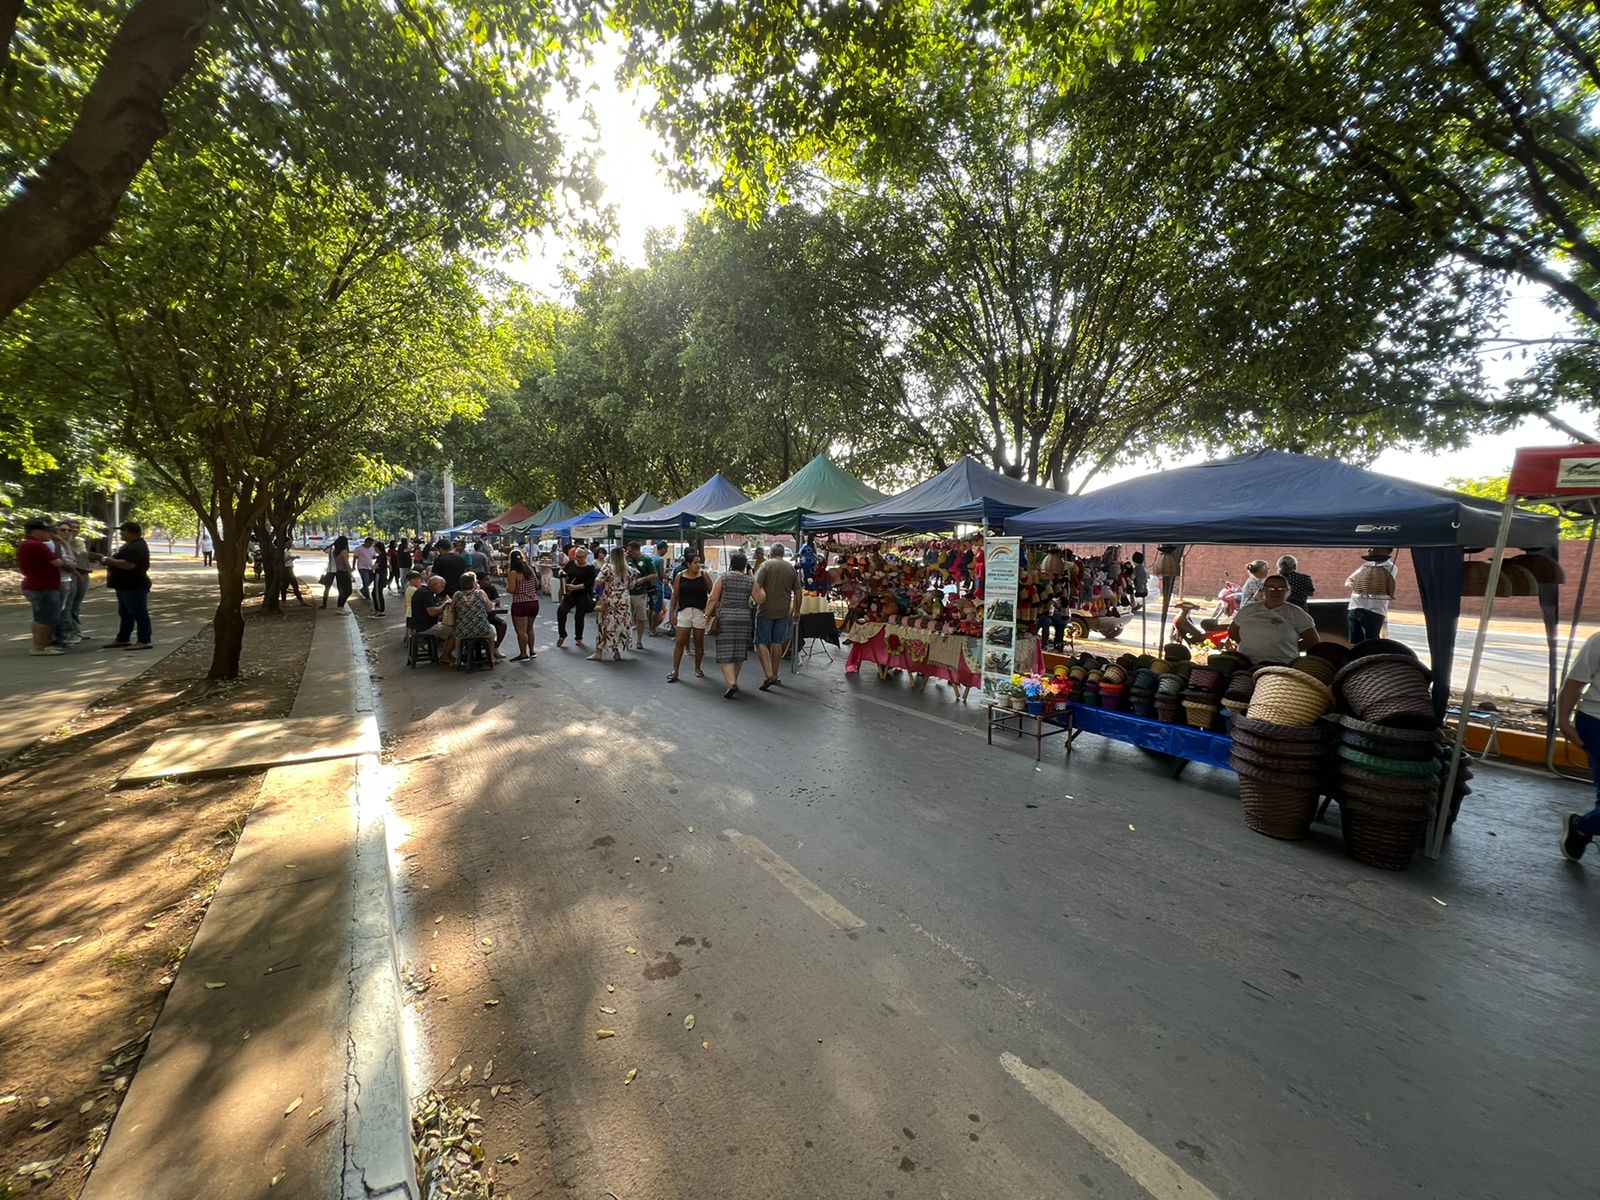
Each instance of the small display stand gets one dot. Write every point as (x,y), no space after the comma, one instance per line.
(1041,725)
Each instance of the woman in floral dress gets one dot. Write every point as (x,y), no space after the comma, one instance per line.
(613,611)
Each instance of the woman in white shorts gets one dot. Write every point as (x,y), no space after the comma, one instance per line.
(690,591)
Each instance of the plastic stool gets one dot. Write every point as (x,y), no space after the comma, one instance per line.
(422,649)
(473,651)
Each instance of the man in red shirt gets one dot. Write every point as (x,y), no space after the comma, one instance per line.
(41,565)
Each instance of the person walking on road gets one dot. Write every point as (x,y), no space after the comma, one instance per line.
(640,586)
(613,614)
(1371,589)
(1301,589)
(729,609)
(1578,718)
(577,593)
(660,590)
(128,574)
(775,617)
(366,558)
(42,565)
(522,584)
(402,564)
(691,592)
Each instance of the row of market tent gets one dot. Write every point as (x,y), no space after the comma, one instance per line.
(1267,497)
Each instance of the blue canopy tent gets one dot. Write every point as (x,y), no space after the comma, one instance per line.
(712,496)
(964,493)
(467,527)
(1272,496)
(563,529)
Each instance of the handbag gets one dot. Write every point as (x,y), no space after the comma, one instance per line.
(448,616)
(326,579)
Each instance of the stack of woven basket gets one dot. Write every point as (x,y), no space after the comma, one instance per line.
(1280,749)
(1169,694)
(1201,698)
(1389,756)
(1141,693)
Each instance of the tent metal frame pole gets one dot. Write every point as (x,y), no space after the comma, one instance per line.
(794,634)
(1552,733)
(1441,810)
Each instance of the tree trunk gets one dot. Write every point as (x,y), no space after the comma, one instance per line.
(232,557)
(271,571)
(69,203)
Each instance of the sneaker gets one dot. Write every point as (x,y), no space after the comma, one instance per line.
(48,650)
(141,646)
(115,646)
(1573,840)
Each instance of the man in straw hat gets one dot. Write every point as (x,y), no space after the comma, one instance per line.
(1274,631)
(1370,593)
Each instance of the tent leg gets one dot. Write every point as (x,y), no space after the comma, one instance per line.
(1572,637)
(794,633)
(1441,811)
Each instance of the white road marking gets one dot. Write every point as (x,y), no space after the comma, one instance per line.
(813,897)
(919,714)
(1145,1165)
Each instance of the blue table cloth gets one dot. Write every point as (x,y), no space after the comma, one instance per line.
(1179,741)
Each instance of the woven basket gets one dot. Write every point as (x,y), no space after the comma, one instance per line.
(1392,733)
(1428,767)
(1129,662)
(1389,747)
(1175,652)
(1378,646)
(1276,751)
(1335,652)
(1320,732)
(1387,689)
(1170,685)
(1318,668)
(1372,580)
(1235,706)
(1226,662)
(1379,834)
(1241,685)
(1544,568)
(1205,678)
(1113,674)
(1159,666)
(1142,708)
(1273,761)
(1281,807)
(1285,696)
(1201,715)
(1412,789)
(1170,711)
(1145,679)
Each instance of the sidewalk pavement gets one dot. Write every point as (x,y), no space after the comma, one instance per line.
(1516,625)
(53,689)
(276,1067)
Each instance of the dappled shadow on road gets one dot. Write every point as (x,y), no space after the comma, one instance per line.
(1097,914)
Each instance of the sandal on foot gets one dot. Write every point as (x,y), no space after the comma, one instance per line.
(733,690)
(699,674)
(673,678)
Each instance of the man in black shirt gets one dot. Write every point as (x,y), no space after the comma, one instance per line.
(577,594)
(449,565)
(128,574)
(427,606)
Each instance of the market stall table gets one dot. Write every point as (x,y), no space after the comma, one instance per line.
(1182,742)
(1044,725)
(955,658)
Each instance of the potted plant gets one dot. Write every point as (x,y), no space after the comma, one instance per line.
(1033,691)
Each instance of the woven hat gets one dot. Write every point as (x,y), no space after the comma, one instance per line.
(1335,652)
(1544,568)
(1201,715)
(1319,669)
(1523,581)
(1285,696)
(1175,652)
(1376,646)
(1388,689)
(1475,579)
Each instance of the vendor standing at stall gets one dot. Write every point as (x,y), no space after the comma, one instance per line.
(1273,632)
(1578,718)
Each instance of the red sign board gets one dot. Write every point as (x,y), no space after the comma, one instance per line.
(1556,471)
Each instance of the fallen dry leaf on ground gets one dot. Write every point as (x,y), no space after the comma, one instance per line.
(604,1033)
(688,1022)
(277,1179)
(633,1073)
(211,987)
(611,987)
(293,1104)
(630,950)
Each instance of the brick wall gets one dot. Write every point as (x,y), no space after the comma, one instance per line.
(1205,566)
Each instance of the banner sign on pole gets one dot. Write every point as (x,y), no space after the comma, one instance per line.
(1002,574)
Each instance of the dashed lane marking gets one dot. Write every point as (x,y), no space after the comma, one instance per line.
(1096,1124)
(813,897)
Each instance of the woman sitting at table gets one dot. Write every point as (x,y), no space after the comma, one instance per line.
(472,614)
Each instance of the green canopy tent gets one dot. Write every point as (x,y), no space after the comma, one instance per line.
(612,525)
(821,486)
(550,514)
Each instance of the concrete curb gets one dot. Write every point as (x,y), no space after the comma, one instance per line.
(277,1066)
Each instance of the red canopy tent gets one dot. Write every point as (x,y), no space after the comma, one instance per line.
(517,512)
(1567,477)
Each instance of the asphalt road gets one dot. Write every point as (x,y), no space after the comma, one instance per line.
(922,967)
